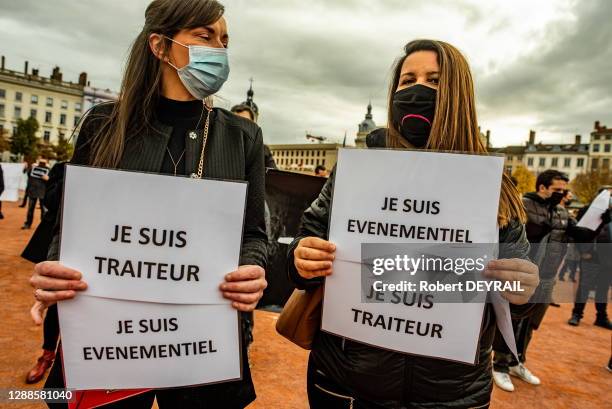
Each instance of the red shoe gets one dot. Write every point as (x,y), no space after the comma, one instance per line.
(38,371)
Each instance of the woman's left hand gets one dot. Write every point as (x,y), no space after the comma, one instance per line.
(515,270)
(244,287)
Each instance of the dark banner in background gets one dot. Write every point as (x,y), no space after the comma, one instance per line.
(288,194)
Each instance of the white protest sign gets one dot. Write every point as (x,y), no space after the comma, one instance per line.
(154,238)
(13,173)
(117,344)
(592,218)
(384,196)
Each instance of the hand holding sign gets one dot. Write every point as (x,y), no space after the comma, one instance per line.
(313,257)
(53,282)
(244,287)
(517,270)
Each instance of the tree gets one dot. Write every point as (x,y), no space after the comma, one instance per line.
(63,150)
(45,150)
(586,185)
(24,141)
(525,180)
(5,145)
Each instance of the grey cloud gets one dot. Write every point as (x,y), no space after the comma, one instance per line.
(567,81)
(317,63)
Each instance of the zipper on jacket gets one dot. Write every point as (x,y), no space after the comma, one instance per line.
(349,398)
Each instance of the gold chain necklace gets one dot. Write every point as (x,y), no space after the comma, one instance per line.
(204,140)
(175,164)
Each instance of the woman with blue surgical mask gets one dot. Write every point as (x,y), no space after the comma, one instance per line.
(164,122)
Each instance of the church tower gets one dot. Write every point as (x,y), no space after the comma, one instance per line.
(365,127)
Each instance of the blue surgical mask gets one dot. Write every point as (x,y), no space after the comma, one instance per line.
(206,72)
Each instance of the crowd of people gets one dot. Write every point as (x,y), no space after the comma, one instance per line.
(177,63)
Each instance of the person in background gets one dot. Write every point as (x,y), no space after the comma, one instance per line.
(1,190)
(35,191)
(572,257)
(36,251)
(596,269)
(321,171)
(548,229)
(245,111)
(27,167)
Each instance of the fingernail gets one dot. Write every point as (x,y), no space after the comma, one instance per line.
(223,286)
(228,276)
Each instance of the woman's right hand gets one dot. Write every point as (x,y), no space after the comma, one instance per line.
(313,257)
(53,282)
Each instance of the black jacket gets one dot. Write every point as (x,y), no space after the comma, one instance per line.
(38,246)
(36,185)
(395,379)
(554,221)
(234,151)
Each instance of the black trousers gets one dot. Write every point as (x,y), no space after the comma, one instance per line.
(597,277)
(31,207)
(571,266)
(51,329)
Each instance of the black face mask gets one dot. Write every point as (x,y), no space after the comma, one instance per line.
(413,112)
(555,198)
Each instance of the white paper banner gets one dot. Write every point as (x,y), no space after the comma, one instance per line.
(592,218)
(457,195)
(117,344)
(154,238)
(13,173)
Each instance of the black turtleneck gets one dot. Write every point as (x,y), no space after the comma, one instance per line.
(183,117)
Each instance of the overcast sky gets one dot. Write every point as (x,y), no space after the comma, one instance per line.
(545,64)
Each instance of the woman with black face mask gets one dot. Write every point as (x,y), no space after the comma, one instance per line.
(431,106)
(164,122)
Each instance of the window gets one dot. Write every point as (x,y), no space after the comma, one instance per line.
(2,93)
(62,119)
(510,157)
(48,117)
(580,162)
(76,120)
(17,112)
(607,147)
(594,163)
(567,162)
(34,99)
(18,96)
(606,163)
(33,113)
(555,162)
(49,101)
(47,136)
(596,137)
(64,104)
(542,162)
(77,106)
(530,162)
(1,110)
(596,147)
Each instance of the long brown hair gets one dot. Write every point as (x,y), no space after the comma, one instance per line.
(140,87)
(455,126)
